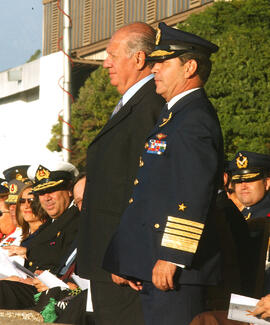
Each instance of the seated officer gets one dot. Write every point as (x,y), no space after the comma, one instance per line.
(250,173)
(53,185)
(17,179)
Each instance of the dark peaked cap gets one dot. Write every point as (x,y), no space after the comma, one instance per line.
(249,166)
(3,187)
(172,42)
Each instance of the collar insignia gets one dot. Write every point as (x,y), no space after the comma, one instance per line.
(158,35)
(42,173)
(241,161)
(166,120)
(182,207)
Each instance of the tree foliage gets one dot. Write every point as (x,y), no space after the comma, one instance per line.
(35,56)
(89,113)
(239,83)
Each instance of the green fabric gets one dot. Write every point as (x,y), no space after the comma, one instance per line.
(37,296)
(48,313)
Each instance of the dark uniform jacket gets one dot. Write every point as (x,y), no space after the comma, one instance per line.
(169,216)
(47,249)
(258,210)
(112,162)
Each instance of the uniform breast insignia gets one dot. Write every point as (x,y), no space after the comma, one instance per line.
(156,147)
(182,207)
(9,241)
(161,136)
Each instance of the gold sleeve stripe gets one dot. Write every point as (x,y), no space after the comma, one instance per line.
(180,243)
(181,233)
(186,222)
(182,227)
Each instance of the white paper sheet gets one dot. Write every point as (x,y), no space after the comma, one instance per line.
(7,268)
(51,281)
(240,307)
(85,284)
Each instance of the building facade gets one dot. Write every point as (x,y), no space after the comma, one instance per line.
(94,21)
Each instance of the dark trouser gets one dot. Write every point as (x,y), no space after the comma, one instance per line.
(16,295)
(174,307)
(115,305)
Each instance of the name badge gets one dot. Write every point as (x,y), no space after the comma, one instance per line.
(156,147)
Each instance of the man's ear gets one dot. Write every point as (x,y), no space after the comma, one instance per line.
(267,183)
(140,59)
(190,68)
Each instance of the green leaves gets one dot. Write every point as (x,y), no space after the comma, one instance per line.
(239,83)
(90,112)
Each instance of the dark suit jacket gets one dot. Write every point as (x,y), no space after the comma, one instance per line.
(47,249)
(170,217)
(112,162)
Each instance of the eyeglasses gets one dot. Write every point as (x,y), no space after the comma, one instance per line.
(29,201)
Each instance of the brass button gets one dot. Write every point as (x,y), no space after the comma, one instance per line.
(130,200)
(136,182)
(156,225)
(141,163)
(30,263)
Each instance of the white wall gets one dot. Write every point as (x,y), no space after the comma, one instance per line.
(25,127)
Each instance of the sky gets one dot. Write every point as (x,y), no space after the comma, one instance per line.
(21,31)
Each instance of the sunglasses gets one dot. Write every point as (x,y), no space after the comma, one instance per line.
(29,201)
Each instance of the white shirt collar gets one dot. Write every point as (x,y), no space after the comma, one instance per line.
(179,96)
(133,89)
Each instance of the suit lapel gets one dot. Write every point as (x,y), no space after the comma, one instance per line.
(125,110)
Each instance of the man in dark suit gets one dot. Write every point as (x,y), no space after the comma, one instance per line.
(165,241)
(53,185)
(112,162)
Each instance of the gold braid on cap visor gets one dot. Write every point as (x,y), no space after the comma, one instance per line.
(43,186)
(160,53)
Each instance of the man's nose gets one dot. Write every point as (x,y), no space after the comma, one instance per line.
(155,67)
(107,63)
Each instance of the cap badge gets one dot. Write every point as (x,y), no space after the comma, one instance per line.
(161,136)
(158,35)
(42,173)
(19,177)
(13,188)
(182,207)
(241,161)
